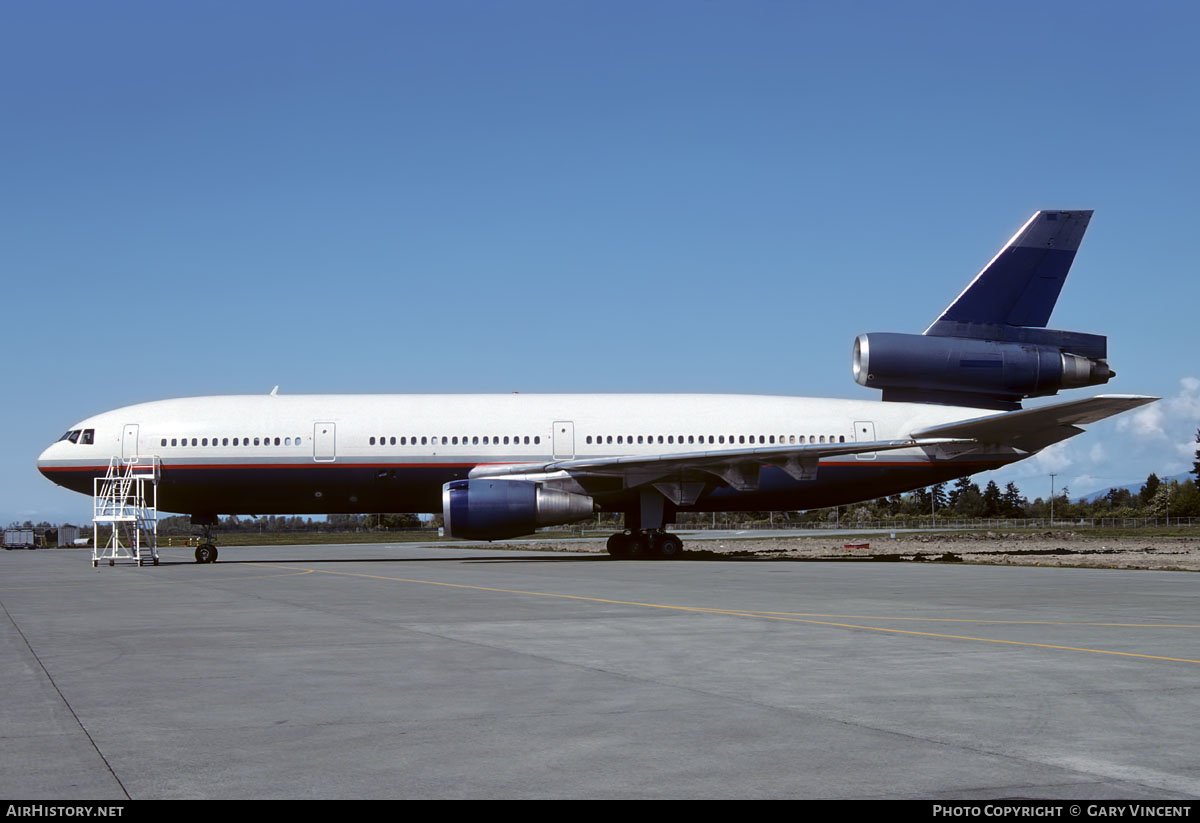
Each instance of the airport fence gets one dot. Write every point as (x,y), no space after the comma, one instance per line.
(994,524)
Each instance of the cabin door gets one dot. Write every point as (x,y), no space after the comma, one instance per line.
(864,432)
(564,439)
(324,442)
(129,442)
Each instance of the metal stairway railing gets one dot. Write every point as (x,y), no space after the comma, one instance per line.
(125,501)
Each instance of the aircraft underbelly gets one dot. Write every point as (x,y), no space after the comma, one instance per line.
(348,489)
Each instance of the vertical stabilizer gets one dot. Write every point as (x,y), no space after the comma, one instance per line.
(1021,284)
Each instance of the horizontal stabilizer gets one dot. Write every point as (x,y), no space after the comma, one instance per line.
(1021,284)
(1033,429)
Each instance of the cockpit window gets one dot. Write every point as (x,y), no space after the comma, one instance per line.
(72,435)
(89,436)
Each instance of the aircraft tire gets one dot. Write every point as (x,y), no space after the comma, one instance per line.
(618,545)
(667,546)
(640,546)
(206,553)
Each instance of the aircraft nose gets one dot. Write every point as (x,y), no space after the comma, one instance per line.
(45,460)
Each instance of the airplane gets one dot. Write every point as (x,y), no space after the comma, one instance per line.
(501,466)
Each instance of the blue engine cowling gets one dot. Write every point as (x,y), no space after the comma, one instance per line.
(486,509)
(970,372)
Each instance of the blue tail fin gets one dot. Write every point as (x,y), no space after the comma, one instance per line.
(1021,284)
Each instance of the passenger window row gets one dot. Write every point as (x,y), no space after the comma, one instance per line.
(718,439)
(236,441)
(620,439)
(465,440)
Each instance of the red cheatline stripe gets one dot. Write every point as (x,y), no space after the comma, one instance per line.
(310,465)
(332,465)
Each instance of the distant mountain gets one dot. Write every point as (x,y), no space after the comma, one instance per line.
(1133,488)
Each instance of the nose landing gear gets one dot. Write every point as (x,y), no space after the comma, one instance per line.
(206,552)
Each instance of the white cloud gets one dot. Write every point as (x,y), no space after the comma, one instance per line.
(1169,417)
(1054,458)
(1185,406)
(1145,422)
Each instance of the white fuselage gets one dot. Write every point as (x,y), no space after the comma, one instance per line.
(366,453)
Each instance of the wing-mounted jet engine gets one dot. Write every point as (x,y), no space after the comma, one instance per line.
(990,349)
(496,509)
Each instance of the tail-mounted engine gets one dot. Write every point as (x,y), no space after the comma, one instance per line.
(992,374)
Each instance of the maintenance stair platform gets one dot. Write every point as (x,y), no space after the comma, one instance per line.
(125,505)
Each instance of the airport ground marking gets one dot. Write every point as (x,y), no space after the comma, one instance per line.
(995,622)
(295,573)
(746,613)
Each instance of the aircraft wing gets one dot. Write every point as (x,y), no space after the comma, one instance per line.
(682,475)
(1033,429)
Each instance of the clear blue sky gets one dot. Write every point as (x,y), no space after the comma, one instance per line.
(576,196)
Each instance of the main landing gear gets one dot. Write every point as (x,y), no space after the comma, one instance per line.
(644,536)
(644,545)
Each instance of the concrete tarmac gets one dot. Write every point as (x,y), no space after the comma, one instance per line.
(405,671)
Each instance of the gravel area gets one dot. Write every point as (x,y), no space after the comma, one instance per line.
(1042,549)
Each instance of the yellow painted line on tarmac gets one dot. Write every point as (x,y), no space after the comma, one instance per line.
(995,622)
(264,576)
(750,614)
(987,640)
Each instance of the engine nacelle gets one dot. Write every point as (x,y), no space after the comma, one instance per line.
(970,372)
(497,509)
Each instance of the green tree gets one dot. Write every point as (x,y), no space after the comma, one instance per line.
(917,503)
(1157,506)
(1118,498)
(1150,489)
(1196,465)
(1185,500)
(1011,502)
(939,496)
(966,499)
(991,499)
